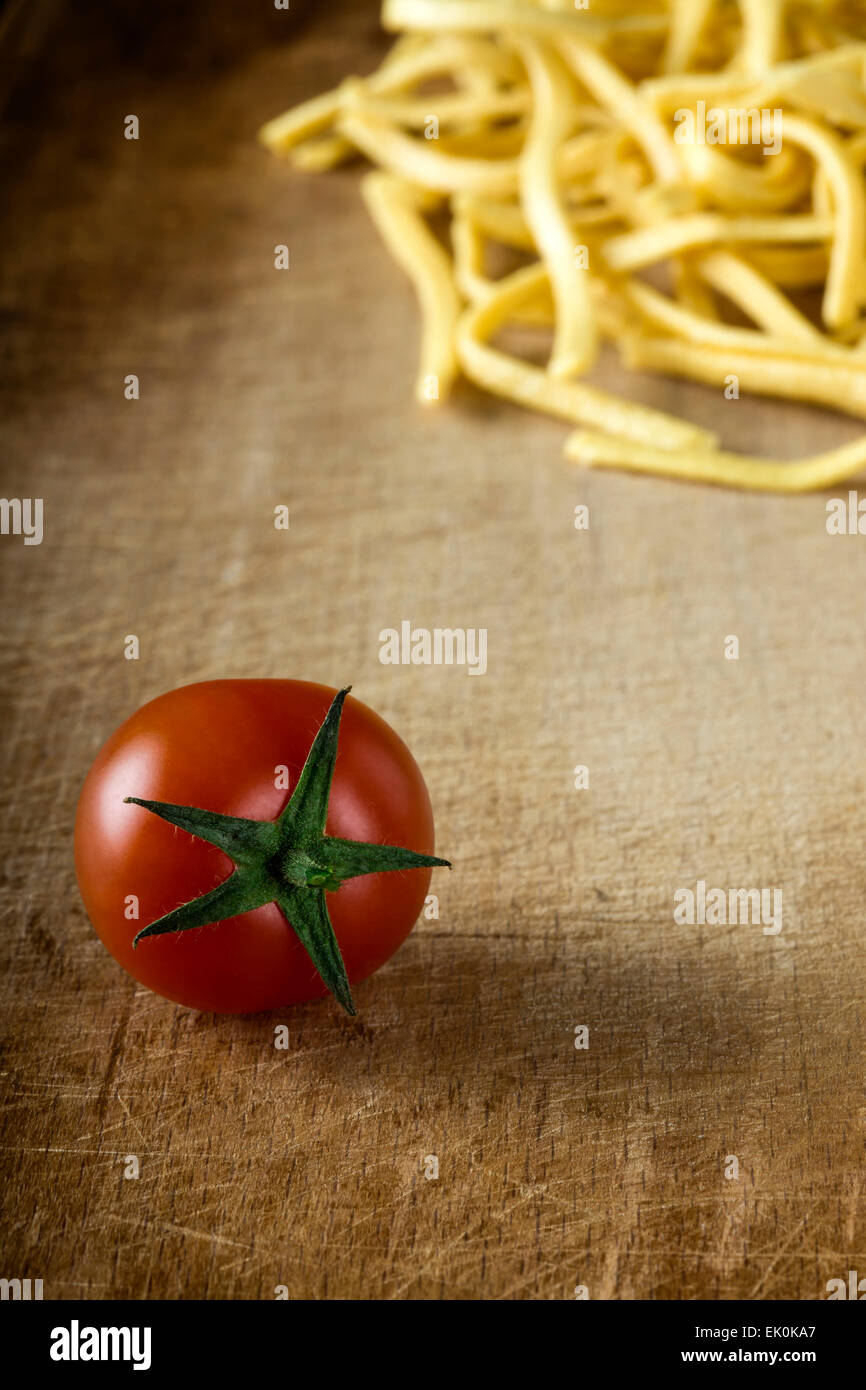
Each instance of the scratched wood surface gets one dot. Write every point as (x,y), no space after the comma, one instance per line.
(558,1167)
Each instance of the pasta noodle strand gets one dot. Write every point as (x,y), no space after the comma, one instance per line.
(686,177)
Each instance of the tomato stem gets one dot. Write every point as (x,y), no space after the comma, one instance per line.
(289,861)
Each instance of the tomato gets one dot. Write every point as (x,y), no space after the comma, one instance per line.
(220,745)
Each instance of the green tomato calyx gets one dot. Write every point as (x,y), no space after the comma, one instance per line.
(289,861)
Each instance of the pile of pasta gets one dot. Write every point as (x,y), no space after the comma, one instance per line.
(547,136)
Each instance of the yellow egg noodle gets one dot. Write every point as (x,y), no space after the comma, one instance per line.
(686,178)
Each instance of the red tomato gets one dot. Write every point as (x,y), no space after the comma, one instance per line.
(217,745)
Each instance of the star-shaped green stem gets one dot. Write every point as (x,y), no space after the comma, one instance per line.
(289,861)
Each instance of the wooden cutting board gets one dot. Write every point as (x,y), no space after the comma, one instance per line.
(558,1166)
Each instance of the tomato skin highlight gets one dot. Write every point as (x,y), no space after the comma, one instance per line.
(217,745)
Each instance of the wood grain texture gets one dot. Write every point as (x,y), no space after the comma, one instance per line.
(558,1167)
